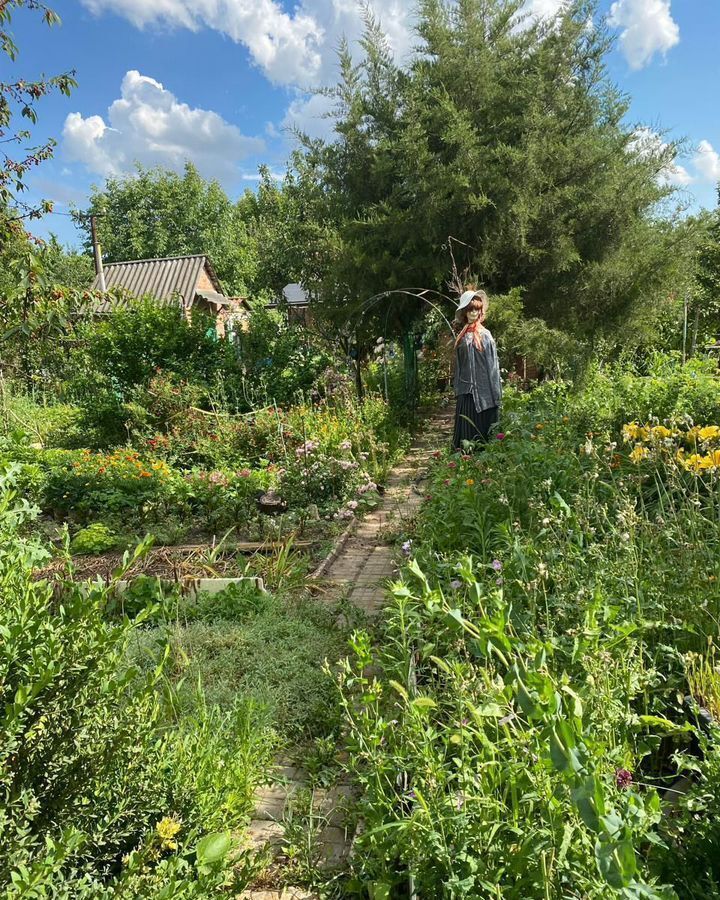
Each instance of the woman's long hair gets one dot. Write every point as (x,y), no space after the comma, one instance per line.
(478,303)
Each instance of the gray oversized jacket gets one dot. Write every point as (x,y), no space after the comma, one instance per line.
(477,372)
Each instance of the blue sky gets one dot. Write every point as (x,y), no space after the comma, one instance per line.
(219,81)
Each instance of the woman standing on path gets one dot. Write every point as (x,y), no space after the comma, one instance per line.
(478,388)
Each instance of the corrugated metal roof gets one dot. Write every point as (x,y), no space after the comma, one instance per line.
(164,279)
(214,297)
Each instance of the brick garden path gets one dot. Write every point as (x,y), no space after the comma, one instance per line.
(358,567)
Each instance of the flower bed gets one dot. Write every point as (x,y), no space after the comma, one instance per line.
(546,670)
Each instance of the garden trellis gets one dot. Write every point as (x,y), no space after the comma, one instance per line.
(409,355)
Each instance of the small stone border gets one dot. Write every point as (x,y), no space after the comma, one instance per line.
(336,549)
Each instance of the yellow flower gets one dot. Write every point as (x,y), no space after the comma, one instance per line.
(470,482)
(709,433)
(639,453)
(661,432)
(167,829)
(697,463)
(539,426)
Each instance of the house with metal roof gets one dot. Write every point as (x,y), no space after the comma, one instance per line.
(189,282)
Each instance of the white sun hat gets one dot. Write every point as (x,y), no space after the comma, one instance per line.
(470,295)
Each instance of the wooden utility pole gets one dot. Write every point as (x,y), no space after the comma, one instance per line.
(98,257)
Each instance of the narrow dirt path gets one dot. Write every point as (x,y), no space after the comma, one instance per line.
(358,567)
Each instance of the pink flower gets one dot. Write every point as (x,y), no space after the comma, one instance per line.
(436,454)
(244,473)
(452,464)
(352,504)
(500,435)
(346,445)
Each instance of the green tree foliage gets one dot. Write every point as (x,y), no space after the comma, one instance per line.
(513,142)
(19,98)
(65,267)
(292,228)
(707,298)
(156,213)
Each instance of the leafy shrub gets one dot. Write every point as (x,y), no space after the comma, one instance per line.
(74,718)
(280,361)
(137,339)
(101,793)
(96,538)
(613,395)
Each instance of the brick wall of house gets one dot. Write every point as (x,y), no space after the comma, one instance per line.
(204,283)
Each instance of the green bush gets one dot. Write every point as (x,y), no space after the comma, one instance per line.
(610,396)
(96,538)
(102,792)
(74,718)
(280,361)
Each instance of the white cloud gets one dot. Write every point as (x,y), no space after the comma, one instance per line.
(250,176)
(542,9)
(310,116)
(647,142)
(149,125)
(707,161)
(297,48)
(647,28)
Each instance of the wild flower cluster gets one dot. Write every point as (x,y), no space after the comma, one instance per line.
(695,448)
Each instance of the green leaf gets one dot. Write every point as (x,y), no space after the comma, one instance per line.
(590,802)
(213,848)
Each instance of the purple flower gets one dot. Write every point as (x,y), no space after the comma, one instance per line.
(352,504)
(497,565)
(623,779)
(456,584)
(498,582)
(407,548)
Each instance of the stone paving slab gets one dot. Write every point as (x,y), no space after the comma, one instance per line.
(360,568)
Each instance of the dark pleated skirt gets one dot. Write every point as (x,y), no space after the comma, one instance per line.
(471,425)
